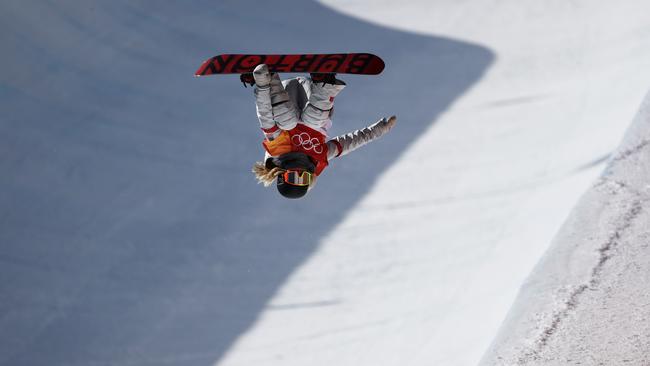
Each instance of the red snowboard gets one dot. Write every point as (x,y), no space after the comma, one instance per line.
(340,63)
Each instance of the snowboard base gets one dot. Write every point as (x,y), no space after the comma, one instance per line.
(340,63)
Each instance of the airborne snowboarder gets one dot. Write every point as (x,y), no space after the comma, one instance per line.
(295,116)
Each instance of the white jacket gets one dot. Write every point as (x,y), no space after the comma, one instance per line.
(299,92)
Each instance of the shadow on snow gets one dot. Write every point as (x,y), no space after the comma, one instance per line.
(131,228)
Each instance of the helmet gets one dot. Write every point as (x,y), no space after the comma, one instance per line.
(294,161)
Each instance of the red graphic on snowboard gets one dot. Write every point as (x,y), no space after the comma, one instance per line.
(340,63)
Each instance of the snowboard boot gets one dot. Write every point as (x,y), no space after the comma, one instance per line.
(247,79)
(327,78)
(262,76)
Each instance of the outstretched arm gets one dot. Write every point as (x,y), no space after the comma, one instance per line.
(344,144)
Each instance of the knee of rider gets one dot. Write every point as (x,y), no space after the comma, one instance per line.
(315,115)
(287,124)
(286,118)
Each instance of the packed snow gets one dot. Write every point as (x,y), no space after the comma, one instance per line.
(587,302)
(133,233)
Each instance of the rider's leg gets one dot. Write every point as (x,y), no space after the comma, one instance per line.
(264,108)
(318,110)
(284,110)
(275,110)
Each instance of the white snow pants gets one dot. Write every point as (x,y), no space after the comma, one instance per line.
(298,100)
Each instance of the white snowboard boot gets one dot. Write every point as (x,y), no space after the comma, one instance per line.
(262,76)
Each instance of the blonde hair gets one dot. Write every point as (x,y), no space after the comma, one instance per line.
(265,175)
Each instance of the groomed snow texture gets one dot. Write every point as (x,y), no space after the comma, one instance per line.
(587,302)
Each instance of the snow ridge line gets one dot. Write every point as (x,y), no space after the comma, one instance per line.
(631,151)
(605,252)
(614,240)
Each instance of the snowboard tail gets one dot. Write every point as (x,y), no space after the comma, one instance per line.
(340,63)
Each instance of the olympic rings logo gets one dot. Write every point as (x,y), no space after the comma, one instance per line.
(307,142)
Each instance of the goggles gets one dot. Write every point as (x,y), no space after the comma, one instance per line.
(297,177)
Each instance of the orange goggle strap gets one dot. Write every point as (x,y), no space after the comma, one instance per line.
(297,177)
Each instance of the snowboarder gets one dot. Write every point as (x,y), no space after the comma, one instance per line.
(294,116)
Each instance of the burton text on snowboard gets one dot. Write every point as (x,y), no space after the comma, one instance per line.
(340,63)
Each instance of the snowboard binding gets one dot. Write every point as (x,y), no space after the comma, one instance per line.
(325,78)
(247,79)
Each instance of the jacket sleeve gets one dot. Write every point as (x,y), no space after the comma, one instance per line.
(345,144)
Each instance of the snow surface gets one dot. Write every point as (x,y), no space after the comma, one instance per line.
(587,301)
(132,232)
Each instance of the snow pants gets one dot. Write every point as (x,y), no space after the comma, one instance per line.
(297,100)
